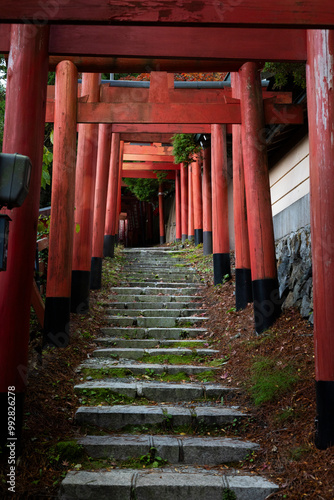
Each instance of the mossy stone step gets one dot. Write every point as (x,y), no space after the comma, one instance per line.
(138,353)
(157,290)
(119,416)
(149,343)
(174,449)
(146,312)
(156,333)
(131,298)
(143,368)
(155,321)
(151,305)
(155,391)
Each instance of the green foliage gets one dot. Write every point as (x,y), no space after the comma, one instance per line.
(143,189)
(47,161)
(70,451)
(184,148)
(283,71)
(43,226)
(270,380)
(229,494)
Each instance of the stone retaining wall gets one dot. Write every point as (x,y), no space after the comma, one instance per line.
(294,261)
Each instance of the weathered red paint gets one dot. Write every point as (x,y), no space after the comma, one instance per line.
(112,186)
(162,128)
(139,65)
(85,181)
(119,189)
(63,182)
(101,189)
(184,200)
(260,223)
(24,134)
(320,72)
(148,157)
(145,174)
(178,233)
(197,193)
(161,213)
(309,13)
(220,230)
(149,165)
(206,188)
(152,149)
(176,113)
(191,229)
(146,137)
(242,256)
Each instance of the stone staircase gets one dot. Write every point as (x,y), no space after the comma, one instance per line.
(146,392)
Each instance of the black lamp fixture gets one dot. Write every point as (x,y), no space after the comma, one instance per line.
(204,140)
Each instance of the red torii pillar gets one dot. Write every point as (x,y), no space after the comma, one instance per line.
(161,215)
(178,233)
(100,202)
(207,202)
(243,275)
(84,201)
(109,230)
(197,200)
(119,190)
(267,304)
(184,201)
(23,134)
(220,230)
(320,99)
(58,289)
(191,229)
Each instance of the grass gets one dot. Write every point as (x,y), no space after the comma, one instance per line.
(174,359)
(185,344)
(101,396)
(270,380)
(101,373)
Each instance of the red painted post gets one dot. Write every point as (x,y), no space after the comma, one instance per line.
(191,229)
(243,275)
(320,100)
(220,230)
(197,200)
(207,202)
(178,233)
(24,134)
(119,191)
(84,201)
(260,223)
(109,230)
(161,215)
(184,201)
(100,203)
(58,290)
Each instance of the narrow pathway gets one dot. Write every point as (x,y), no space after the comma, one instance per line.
(145,356)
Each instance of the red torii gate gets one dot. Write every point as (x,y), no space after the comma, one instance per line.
(290,13)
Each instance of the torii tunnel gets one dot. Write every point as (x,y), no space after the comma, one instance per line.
(161,38)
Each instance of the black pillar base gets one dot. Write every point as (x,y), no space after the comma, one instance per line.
(221,268)
(162,240)
(5,439)
(80,292)
(177,240)
(96,273)
(191,237)
(184,238)
(108,245)
(324,434)
(116,240)
(57,321)
(243,288)
(207,242)
(267,303)
(198,236)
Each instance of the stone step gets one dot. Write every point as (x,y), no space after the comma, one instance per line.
(157,290)
(156,333)
(165,484)
(174,449)
(148,343)
(143,368)
(119,416)
(196,484)
(156,390)
(155,321)
(168,313)
(151,305)
(132,353)
(162,284)
(129,298)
